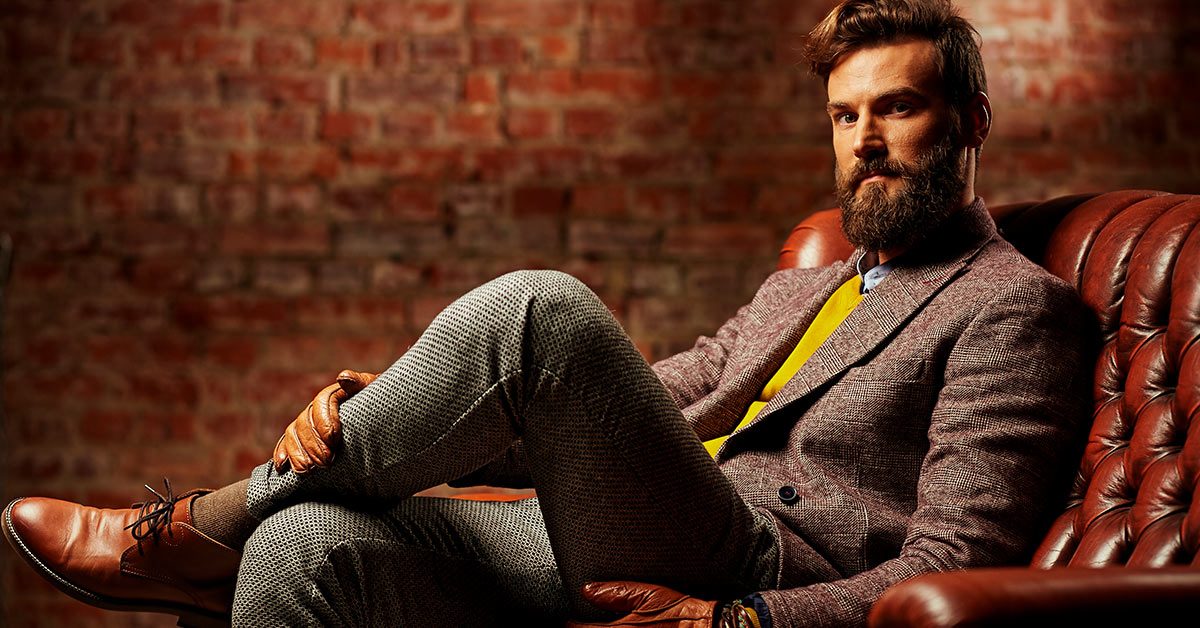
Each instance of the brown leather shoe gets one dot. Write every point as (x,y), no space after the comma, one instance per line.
(145,558)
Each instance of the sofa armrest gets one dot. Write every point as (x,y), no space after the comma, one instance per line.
(1005,596)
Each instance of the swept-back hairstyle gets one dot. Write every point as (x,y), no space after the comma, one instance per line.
(856,24)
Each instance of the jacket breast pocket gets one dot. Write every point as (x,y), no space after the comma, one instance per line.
(876,402)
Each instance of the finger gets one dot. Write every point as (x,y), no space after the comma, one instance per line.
(354,381)
(618,596)
(312,441)
(280,454)
(296,454)
(324,412)
(283,448)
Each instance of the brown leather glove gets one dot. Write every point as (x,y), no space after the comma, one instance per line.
(647,605)
(315,436)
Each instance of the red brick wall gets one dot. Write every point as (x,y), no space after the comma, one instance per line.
(217,204)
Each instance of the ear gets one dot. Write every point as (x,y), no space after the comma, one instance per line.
(978,120)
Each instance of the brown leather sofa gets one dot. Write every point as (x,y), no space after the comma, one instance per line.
(1126,548)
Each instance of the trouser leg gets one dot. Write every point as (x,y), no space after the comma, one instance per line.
(424,562)
(626,489)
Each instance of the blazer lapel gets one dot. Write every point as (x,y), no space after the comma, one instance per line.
(883,310)
(776,343)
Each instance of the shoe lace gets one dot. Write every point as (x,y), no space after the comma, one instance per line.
(154,516)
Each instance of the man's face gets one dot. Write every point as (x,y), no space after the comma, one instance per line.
(900,166)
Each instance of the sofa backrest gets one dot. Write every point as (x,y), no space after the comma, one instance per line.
(1134,258)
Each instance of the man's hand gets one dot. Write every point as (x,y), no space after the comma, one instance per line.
(315,436)
(647,605)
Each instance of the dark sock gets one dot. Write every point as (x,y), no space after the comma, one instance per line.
(222,514)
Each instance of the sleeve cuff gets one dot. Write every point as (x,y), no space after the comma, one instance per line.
(756,601)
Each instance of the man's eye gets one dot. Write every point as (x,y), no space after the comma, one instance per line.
(901,107)
(845,118)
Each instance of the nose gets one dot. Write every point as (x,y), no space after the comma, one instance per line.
(868,138)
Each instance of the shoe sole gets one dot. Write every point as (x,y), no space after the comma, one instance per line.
(189,617)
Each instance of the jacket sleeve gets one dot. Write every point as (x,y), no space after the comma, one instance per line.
(692,374)
(1005,429)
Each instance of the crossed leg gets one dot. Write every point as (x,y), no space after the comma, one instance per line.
(423,562)
(626,491)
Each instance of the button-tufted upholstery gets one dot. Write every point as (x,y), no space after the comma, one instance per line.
(1134,257)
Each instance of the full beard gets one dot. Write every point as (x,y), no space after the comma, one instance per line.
(932,190)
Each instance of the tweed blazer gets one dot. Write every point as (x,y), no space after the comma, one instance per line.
(926,434)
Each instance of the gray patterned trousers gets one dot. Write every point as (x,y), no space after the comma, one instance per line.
(625,489)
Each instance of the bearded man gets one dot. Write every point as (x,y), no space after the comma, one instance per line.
(853,426)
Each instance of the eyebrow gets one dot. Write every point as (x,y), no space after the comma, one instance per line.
(892,94)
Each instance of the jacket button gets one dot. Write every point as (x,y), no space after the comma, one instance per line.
(788,494)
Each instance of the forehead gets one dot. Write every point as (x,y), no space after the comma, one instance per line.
(879,69)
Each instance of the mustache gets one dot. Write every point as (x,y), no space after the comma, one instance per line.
(878,166)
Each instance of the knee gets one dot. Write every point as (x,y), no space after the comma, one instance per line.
(552,288)
(543,282)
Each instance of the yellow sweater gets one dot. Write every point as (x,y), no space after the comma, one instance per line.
(835,310)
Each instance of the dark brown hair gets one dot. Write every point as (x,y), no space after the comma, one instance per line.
(855,24)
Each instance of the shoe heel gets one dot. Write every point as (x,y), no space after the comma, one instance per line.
(202,621)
